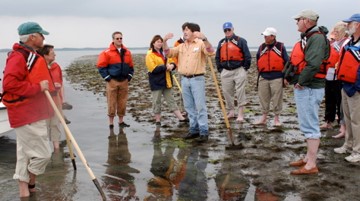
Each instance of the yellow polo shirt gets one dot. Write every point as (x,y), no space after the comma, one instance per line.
(191,57)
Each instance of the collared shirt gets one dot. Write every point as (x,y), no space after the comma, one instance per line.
(191,57)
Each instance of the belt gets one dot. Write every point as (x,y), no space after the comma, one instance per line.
(232,68)
(191,76)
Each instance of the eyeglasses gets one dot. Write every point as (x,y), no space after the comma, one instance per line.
(298,19)
(226,30)
(41,35)
(118,38)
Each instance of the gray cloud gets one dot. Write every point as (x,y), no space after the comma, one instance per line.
(89,23)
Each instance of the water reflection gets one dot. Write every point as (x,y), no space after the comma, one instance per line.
(118,180)
(194,185)
(168,167)
(57,183)
(157,135)
(231,186)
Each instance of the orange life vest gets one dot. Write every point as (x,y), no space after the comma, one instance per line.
(297,58)
(270,60)
(349,64)
(229,51)
(333,58)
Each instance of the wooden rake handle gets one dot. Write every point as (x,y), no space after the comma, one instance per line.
(230,136)
(76,146)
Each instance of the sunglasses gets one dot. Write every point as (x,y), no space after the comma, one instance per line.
(226,30)
(118,38)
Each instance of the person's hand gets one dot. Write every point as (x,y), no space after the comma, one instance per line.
(57,85)
(168,36)
(44,85)
(169,67)
(286,83)
(199,35)
(298,86)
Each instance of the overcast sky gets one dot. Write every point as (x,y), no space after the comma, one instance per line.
(90,23)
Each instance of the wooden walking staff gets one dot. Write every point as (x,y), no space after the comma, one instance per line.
(177,83)
(76,146)
(230,136)
(68,141)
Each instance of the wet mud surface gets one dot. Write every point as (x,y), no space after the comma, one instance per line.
(262,153)
(146,162)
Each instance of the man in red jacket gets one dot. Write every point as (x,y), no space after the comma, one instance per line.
(26,76)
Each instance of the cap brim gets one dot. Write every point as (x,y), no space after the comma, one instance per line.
(347,20)
(295,17)
(44,32)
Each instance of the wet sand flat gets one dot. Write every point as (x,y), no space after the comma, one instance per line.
(144,162)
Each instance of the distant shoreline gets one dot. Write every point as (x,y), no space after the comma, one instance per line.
(130,48)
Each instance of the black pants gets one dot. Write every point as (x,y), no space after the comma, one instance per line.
(332,100)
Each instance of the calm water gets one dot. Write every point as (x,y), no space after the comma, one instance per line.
(128,163)
(64,58)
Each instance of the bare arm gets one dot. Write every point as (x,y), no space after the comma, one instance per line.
(207,44)
(165,45)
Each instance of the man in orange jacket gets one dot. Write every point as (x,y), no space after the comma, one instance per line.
(116,67)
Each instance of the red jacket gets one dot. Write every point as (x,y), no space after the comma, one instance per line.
(56,75)
(21,86)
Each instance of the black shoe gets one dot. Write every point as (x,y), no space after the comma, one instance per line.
(184,120)
(67,121)
(66,106)
(123,124)
(191,136)
(111,126)
(202,138)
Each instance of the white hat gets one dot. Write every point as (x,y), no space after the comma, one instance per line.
(269,31)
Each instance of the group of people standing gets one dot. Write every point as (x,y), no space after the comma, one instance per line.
(30,70)
(316,67)
(313,60)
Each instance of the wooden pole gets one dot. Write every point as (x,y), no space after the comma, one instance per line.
(76,146)
(230,136)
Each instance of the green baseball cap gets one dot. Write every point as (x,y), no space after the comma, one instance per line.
(31,27)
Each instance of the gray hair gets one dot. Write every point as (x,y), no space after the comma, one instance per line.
(24,38)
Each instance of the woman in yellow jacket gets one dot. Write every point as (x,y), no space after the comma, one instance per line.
(159,71)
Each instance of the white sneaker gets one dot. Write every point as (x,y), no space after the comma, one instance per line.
(353,158)
(341,150)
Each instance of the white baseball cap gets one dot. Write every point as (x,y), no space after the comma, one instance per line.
(269,31)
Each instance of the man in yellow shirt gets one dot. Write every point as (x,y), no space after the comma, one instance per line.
(191,65)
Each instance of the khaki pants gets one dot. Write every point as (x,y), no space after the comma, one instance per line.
(33,150)
(233,82)
(271,91)
(351,108)
(54,130)
(157,103)
(117,95)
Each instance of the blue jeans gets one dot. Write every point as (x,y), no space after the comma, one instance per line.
(307,105)
(193,92)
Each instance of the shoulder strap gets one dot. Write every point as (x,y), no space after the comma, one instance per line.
(29,57)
